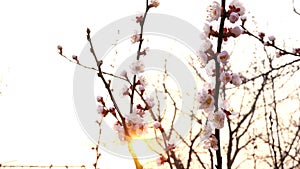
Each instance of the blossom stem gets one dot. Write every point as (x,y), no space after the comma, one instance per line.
(218,83)
(138,54)
(106,84)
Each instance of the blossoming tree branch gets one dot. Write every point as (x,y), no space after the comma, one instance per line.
(226,22)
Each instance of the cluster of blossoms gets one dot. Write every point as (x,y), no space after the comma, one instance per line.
(102,109)
(133,123)
(141,84)
(207,57)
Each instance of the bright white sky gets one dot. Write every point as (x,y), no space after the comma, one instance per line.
(38,124)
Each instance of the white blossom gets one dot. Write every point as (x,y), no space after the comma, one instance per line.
(233,17)
(236,79)
(216,119)
(203,58)
(225,77)
(137,67)
(237,31)
(142,80)
(272,38)
(237,4)
(210,68)
(135,123)
(205,44)
(120,130)
(206,101)
(227,109)
(223,57)
(211,142)
(141,88)
(134,117)
(214,11)
(150,102)
(135,38)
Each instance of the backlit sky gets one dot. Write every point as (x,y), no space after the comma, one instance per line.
(38,124)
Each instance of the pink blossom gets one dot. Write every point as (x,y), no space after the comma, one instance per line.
(156,124)
(59,47)
(161,160)
(144,52)
(272,38)
(238,5)
(266,43)
(74,57)
(100,109)
(171,146)
(236,79)
(236,31)
(261,35)
(206,101)
(134,117)
(214,11)
(223,57)
(225,77)
(120,130)
(140,111)
(117,126)
(99,98)
(139,18)
(154,3)
(135,38)
(137,67)
(296,50)
(211,142)
(141,88)
(135,123)
(216,119)
(233,17)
